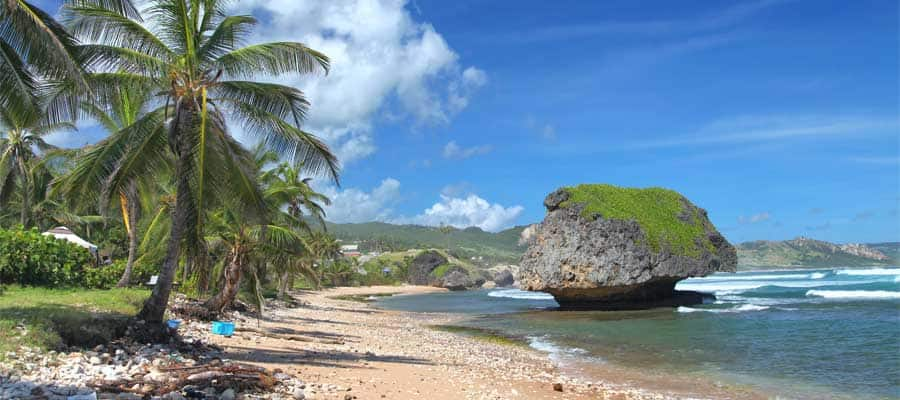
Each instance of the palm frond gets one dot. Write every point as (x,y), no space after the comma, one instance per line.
(274,58)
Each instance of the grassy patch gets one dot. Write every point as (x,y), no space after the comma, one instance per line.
(39,317)
(656,210)
(441,270)
(361,298)
(484,335)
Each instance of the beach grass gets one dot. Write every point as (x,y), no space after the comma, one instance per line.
(40,317)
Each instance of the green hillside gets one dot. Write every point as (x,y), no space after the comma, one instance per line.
(803,252)
(503,247)
(500,247)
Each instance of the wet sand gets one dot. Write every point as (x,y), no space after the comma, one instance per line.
(350,349)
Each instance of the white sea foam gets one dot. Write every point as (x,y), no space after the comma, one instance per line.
(869,271)
(557,353)
(854,294)
(740,308)
(817,275)
(738,277)
(726,287)
(520,294)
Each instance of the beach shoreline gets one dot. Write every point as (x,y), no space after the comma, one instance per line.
(359,351)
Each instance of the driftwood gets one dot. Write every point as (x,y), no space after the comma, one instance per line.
(213,374)
(295,338)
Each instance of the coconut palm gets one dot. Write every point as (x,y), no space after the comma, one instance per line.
(287,187)
(243,241)
(21,145)
(34,50)
(124,107)
(189,54)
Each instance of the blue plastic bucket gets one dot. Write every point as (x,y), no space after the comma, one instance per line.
(173,323)
(223,328)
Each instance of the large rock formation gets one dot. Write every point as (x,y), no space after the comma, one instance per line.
(421,267)
(431,268)
(605,247)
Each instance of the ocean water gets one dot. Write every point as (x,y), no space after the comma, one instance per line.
(793,334)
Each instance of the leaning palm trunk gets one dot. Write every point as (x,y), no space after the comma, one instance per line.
(155,307)
(130,214)
(132,255)
(232,283)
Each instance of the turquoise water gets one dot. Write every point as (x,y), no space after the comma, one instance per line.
(798,334)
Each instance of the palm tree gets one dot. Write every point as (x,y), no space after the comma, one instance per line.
(243,241)
(37,55)
(288,188)
(21,135)
(190,54)
(123,108)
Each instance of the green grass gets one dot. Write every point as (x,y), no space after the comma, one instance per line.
(484,335)
(441,270)
(48,315)
(656,211)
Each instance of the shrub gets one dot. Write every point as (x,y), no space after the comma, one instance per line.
(107,276)
(30,259)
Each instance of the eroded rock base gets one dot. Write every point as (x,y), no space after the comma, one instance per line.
(678,298)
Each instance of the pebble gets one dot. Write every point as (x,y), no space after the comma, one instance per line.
(228,394)
(32,373)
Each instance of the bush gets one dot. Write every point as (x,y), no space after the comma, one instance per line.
(30,259)
(107,276)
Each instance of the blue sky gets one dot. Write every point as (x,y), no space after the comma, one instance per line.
(778,117)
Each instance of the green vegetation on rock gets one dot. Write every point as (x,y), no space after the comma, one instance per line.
(657,211)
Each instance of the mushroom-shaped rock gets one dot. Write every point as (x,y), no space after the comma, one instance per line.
(608,247)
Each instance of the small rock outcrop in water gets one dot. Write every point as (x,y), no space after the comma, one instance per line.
(606,247)
(504,278)
(456,278)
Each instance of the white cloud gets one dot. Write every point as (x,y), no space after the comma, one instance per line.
(766,129)
(465,212)
(378,53)
(454,151)
(354,205)
(458,207)
(761,217)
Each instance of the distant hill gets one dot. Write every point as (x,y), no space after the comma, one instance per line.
(500,247)
(805,252)
(503,246)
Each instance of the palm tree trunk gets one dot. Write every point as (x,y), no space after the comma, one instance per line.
(231,285)
(23,213)
(131,216)
(132,252)
(155,307)
(283,285)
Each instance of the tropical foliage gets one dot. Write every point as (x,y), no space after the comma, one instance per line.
(169,191)
(29,258)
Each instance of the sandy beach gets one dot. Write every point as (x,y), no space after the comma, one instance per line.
(350,349)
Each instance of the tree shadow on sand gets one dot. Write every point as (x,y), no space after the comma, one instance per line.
(321,358)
